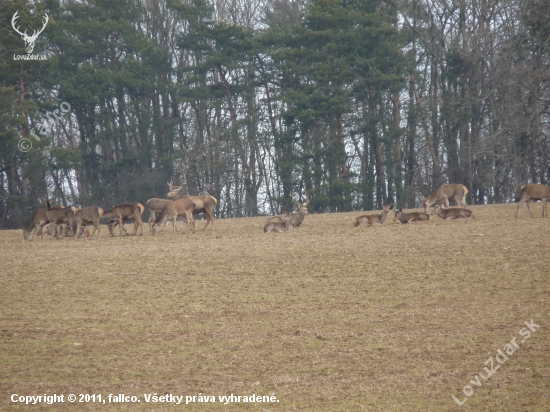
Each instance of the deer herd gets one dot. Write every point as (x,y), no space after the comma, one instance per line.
(61,221)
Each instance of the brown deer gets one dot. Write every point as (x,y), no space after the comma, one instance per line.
(410,217)
(121,213)
(534,191)
(173,209)
(453,192)
(83,217)
(369,220)
(453,213)
(58,215)
(203,204)
(279,223)
(37,223)
(298,218)
(154,206)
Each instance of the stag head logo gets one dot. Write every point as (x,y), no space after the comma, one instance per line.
(29,40)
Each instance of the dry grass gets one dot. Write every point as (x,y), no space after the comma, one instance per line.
(328,317)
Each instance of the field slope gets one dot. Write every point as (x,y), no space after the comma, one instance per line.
(327,317)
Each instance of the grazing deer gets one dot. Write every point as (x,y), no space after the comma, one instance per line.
(453,192)
(279,223)
(82,217)
(121,213)
(154,206)
(203,204)
(173,209)
(453,213)
(534,191)
(369,220)
(37,223)
(59,214)
(410,217)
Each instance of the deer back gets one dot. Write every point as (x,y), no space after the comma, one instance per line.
(535,191)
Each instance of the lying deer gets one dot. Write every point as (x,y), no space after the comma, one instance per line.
(453,192)
(203,204)
(410,217)
(121,213)
(453,213)
(534,191)
(369,220)
(279,223)
(173,209)
(298,218)
(83,217)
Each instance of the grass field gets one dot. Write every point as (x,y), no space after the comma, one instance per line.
(327,317)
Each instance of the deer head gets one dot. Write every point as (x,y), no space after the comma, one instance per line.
(174,190)
(29,40)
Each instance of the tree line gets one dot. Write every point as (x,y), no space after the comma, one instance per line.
(354,102)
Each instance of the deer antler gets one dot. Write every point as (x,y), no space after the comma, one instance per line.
(13,20)
(170,184)
(35,34)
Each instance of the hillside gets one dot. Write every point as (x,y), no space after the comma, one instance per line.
(327,317)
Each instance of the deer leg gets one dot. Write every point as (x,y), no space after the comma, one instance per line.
(521,201)
(529,207)
(544,207)
(152,218)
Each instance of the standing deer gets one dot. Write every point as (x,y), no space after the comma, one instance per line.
(121,213)
(534,191)
(59,214)
(154,206)
(369,220)
(279,223)
(37,223)
(454,213)
(410,217)
(173,209)
(82,217)
(453,192)
(203,204)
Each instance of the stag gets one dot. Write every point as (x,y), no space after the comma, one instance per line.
(203,204)
(279,223)
(534,191)
(410,217)
(29,40)
(58,215)
(173,209)
(369,220)
(454,213)
(298,218)
(83,217)
(121,213)
(453,192)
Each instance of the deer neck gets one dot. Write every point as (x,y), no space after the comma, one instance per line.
(384,216)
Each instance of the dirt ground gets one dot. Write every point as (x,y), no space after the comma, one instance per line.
(327,317)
